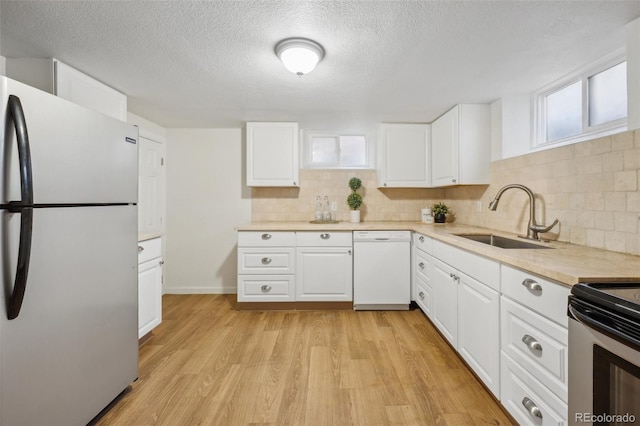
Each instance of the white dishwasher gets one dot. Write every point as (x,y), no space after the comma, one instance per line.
(381,270)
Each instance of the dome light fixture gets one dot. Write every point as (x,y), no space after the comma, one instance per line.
(299,55)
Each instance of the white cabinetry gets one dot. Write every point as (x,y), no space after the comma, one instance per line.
(266,266)
(534,340)
(465,308)
(66,82)
(272,154)
(421,286)
(150,186)
(149,285)
(461,146)
(404,155)
(324,266)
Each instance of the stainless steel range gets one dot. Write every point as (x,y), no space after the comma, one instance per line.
(604,354)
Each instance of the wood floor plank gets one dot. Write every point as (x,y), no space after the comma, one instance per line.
(209,364)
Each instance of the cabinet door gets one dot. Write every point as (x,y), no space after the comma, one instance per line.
(478,330)
(272,154)
(150,186)
(444,149)
(445,300)
(324,274)
(149,296)
(405,158)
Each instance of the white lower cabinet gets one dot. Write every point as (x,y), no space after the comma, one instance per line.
(421,289)
(149,285)
(295,266)
(444,312)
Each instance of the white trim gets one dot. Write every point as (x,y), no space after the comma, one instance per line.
(538,110)
(306,151)
(201,290)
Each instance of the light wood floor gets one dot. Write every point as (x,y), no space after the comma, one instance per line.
(208,364)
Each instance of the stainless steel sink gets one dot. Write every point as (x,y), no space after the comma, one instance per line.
(502,242)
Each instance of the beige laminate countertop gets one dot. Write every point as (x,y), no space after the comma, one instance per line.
(144,236)
(566,263)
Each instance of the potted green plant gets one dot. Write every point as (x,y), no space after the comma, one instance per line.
(439,211)
(354,200)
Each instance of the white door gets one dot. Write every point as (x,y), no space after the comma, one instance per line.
(150,186)
(444,149)
(405,154)
(74,345)
(149,296)
(272,154)
(479,330)
(324,274)
(445,300)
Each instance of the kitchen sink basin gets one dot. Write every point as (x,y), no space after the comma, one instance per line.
(502,242)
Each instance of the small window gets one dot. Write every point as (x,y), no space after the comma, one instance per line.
(587,104)
(331,151)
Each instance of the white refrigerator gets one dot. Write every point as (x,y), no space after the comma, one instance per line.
(68,239)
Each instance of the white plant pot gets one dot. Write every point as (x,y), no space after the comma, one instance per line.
(355,216)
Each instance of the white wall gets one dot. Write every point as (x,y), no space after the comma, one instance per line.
(633,74)
(206,198)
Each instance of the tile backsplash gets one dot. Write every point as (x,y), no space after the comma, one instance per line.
(592,188)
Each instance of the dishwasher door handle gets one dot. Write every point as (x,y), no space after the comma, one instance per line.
(382,239)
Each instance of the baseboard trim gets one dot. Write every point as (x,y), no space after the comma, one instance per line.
(200,290)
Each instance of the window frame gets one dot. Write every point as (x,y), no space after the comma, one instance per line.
(539,113)
(306,151)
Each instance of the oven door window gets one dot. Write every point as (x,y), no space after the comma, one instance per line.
(616,389)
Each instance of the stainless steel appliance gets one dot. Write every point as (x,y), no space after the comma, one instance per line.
(381,270)
(604,354)
(68,329)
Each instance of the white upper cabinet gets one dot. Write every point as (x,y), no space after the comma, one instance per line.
(461,146)
(272,154)
(66,82)
(150,186)
(404,156)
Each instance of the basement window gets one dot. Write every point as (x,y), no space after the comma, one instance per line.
(587,104)
(334,151)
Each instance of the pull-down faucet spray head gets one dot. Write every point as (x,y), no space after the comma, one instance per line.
(493,205)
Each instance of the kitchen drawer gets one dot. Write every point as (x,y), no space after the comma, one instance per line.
(266,261)
(266,239)
(266,288)
(482,269)
(324,239)
(422,265)
(149,249)
(537,344)
(537,293)
(422,242)
(424,296)
(517,388)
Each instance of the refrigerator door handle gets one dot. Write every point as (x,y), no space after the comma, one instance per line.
(25,207)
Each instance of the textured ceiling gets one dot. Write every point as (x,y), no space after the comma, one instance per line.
(211,63)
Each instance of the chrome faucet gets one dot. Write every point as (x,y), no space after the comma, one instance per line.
(532,227)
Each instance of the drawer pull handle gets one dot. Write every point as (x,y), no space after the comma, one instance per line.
(532,285)
(140,249)
(325,236)
(266,236)
(421,238)
(421,294)
(265,288)
(421,265)
(266,260)
(531,407)
(531,343)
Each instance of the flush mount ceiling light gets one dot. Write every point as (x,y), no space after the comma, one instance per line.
(299,55)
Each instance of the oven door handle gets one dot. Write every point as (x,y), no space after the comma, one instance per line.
(597,321)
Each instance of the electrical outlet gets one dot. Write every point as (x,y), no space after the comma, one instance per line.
(334,206)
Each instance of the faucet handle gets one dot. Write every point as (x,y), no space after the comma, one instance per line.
(542,228)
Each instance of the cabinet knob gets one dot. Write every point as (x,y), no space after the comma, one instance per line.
(161,262)
(531,407)
(325,236)
(265,288)
(266,260)
(453,180)
(266,236)
(532,343)
(421,265)
(421,294)
(140,249)
(421,238)
(532,286)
